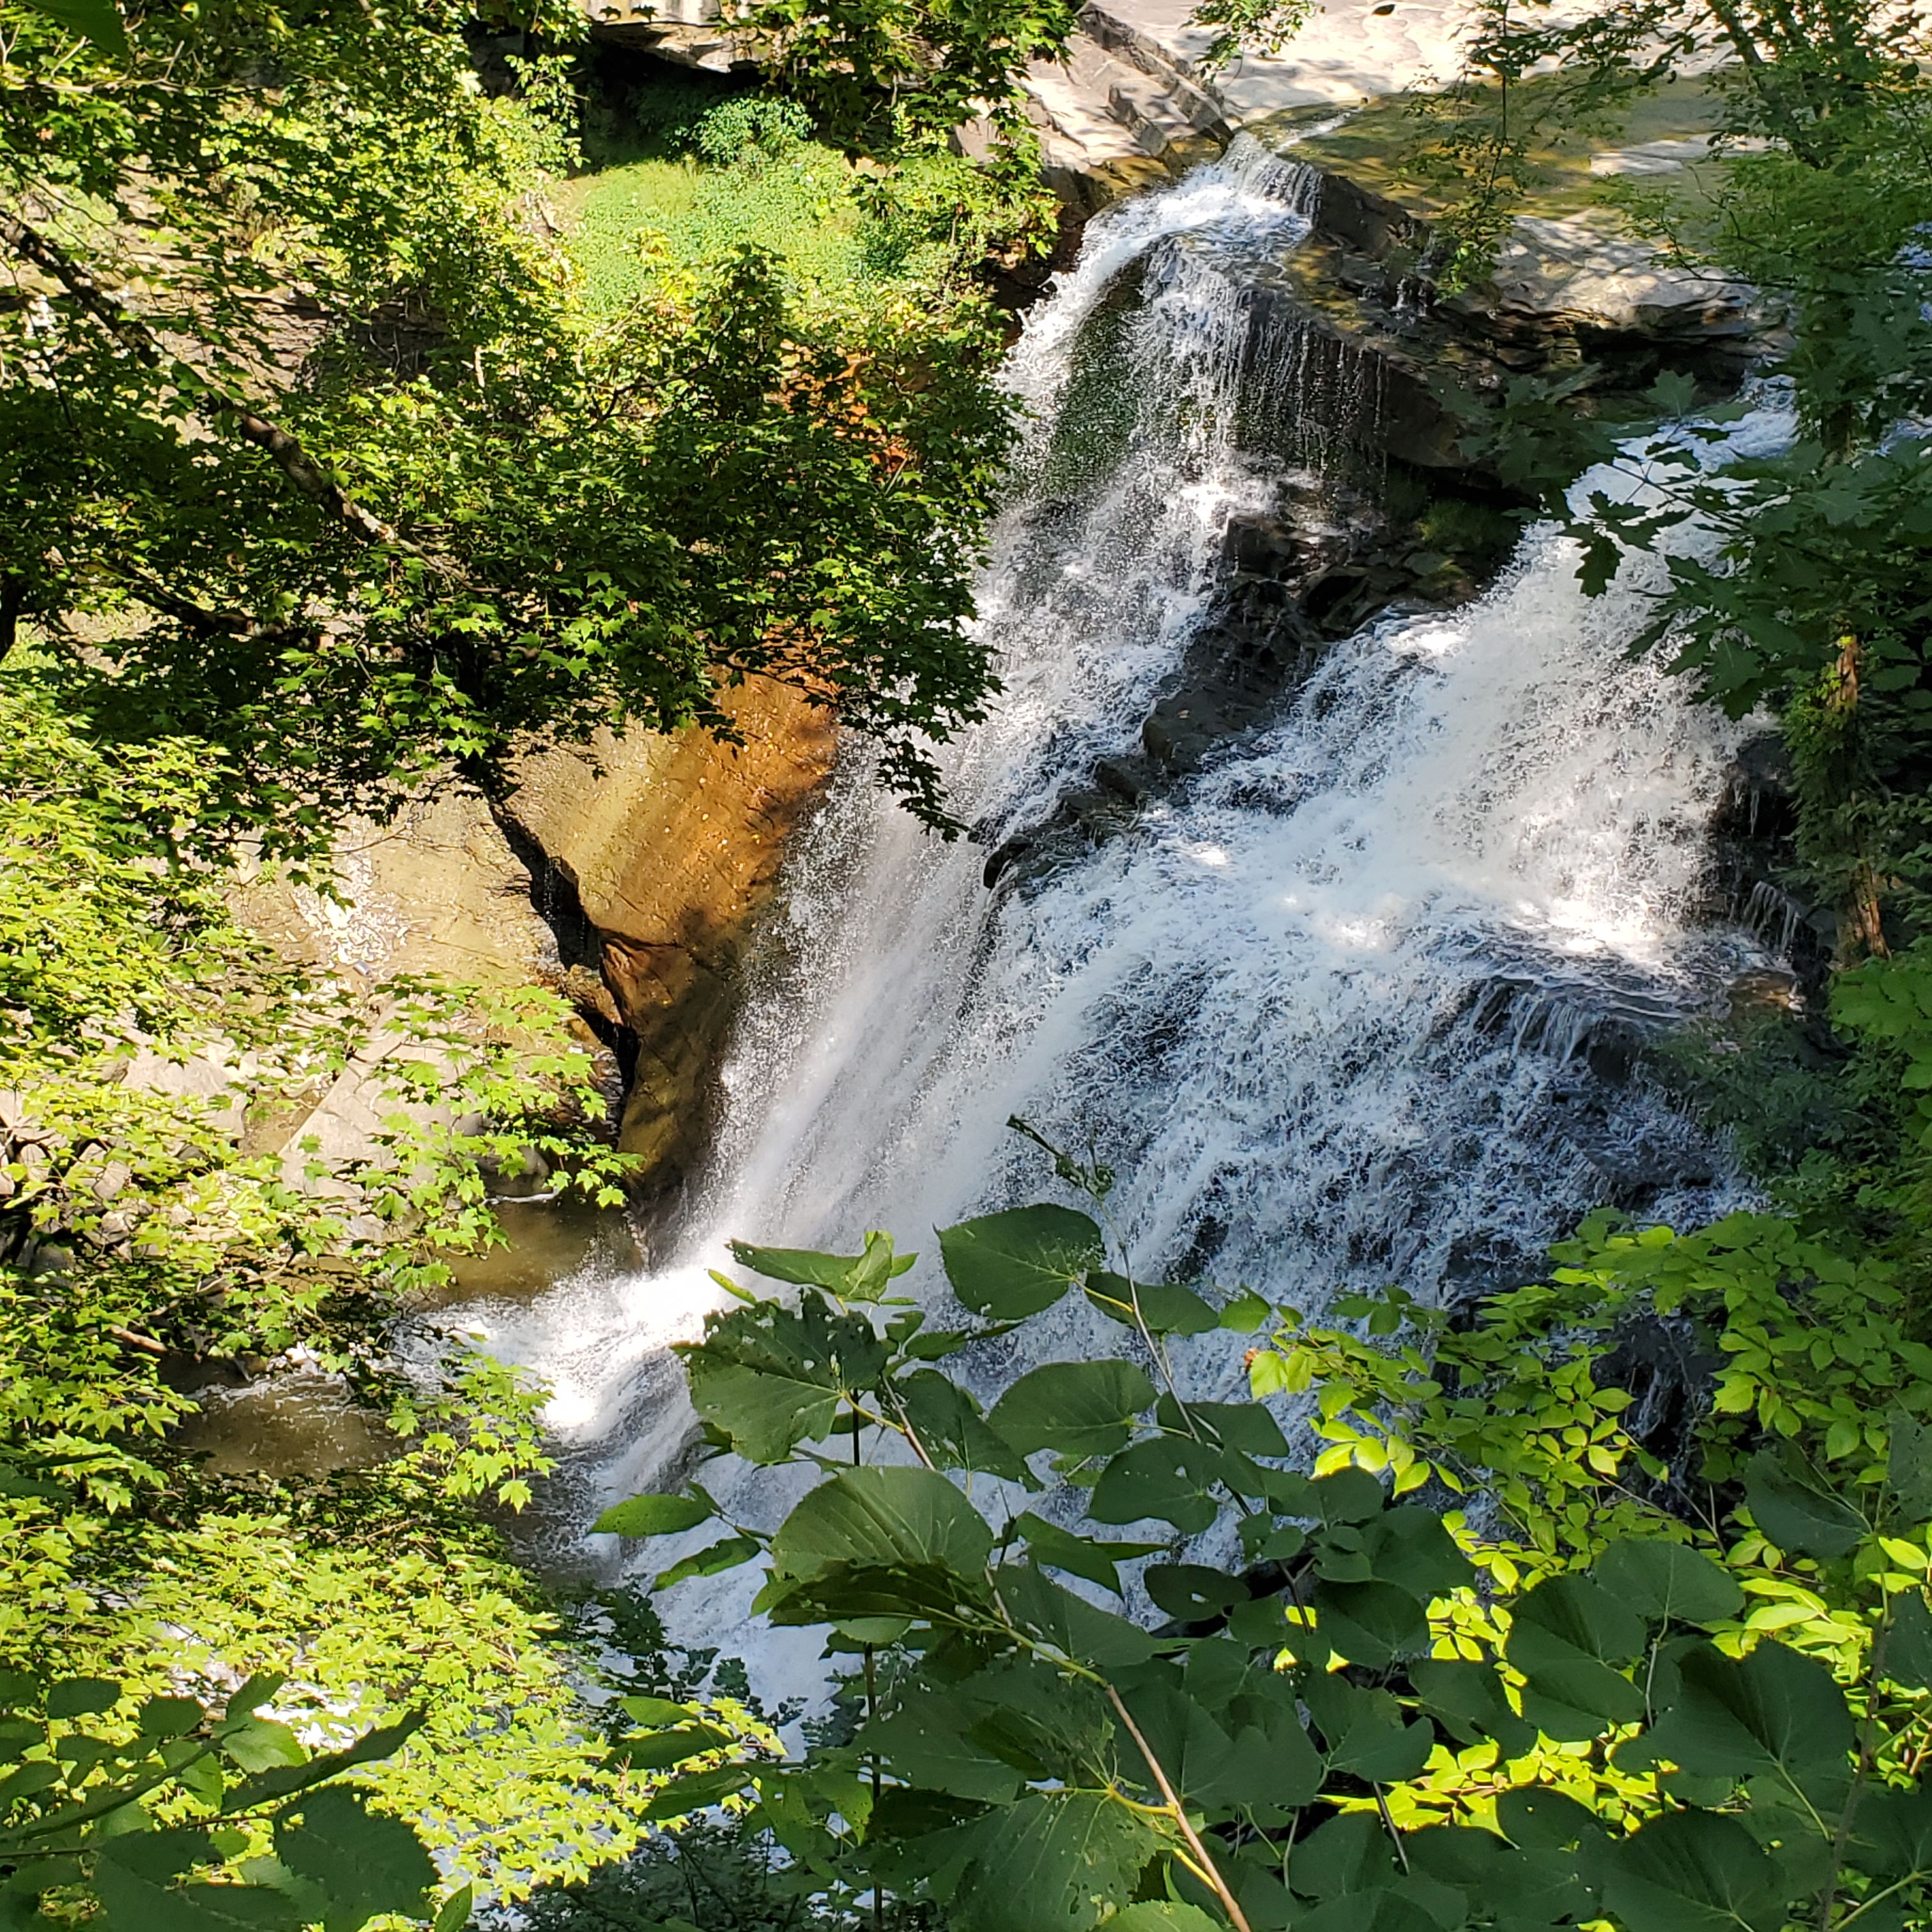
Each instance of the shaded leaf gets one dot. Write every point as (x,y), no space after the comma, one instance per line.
(367,1864)
(1795,1516)
(97,20)
(1052,1863)
(951,1429)
(1165,1478)
(1069,1622)
(1094,1558)
(768,1378)
(1689,1871)
(1371,1624)
(1658,1578)
(878,1517)
(1192,1592)
(1467,1697)
(697,1793)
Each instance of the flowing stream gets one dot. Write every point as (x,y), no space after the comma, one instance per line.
(1350,1006)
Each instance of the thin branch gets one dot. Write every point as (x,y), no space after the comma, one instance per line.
(311,479)
(1229,1904)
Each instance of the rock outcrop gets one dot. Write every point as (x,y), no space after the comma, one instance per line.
(626,873)
(652,856)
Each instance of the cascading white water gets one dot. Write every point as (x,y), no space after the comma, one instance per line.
(1320,1008)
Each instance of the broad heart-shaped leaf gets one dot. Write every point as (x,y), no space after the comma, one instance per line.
(1540,1819)
(1093,1636)
(951,1429)
(925,1743)
(1074,1408)
(1773,1712)
(1094,1558)
(1586,1617)
(651,1515)
(1009,1265)
(1908,1641)
(1467,1698)
(1342,1858)
(877,1518)
(96,20)
(1054,1862)
(1165,1478)
(1893,1836)
(1365,1730)
(1657,1579)
(1245,1426)
(1370,1624)
(1159,1306)
(1561,1632)
(366,1863)
(134,1880)
(1192,1592)
(82,1697)
(1794,1516)
(1909,1464)
(768,1378)
(1689,1871)
(1409,1547)
(1160,1915)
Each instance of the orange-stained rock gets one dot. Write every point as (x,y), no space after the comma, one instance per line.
(670,851)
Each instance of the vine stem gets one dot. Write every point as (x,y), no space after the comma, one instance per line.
(1209,1870)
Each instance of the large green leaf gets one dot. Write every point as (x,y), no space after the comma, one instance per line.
(1166,1478)
(1773,1712)
(768,1378)
(1365,1730)
(1370,1624)
(1096,1560)
(1689,1871)
(1908,1641)
(951,1429)
(925,1742)
(366,1863)
(855,1277)
(1796,1516)
(652,1515)
(1467,1697)
(1658,1579)
(1561,1632)
(1069,1623)
(1539,1819)
(1893,1839)
(1054,1862)
(1245,1426)
(1013,1265)
(134,1881)
(879,1518)
(1159,1306)
(1409,1547)
(697,1793)
(1192,1592)
(1160,1915)
(1074,1408)
(97,20)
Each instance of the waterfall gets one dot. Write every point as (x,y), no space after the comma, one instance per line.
(1346,1007)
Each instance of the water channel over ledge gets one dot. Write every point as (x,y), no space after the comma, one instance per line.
(1335,1009)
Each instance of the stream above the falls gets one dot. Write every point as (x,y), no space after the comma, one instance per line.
(1355,1003)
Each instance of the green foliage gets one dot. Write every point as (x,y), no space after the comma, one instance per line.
(1586,1708)
(345,568)
(125,1814)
